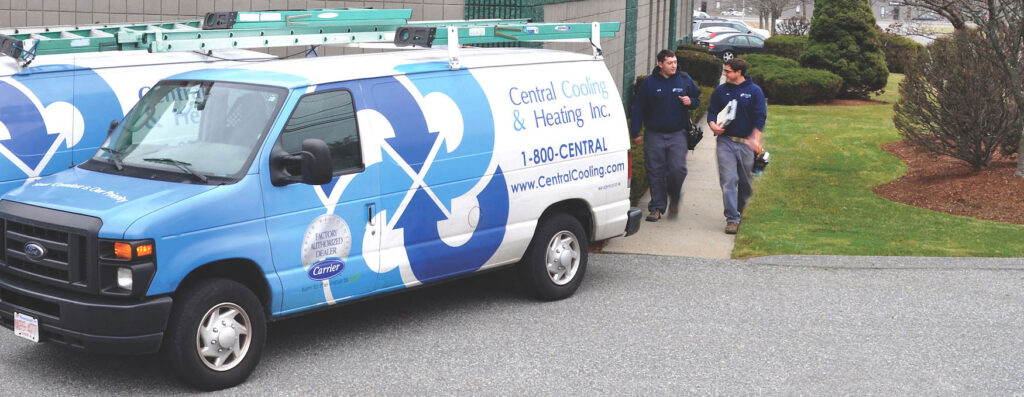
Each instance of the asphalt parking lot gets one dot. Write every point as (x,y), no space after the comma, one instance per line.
(639,325)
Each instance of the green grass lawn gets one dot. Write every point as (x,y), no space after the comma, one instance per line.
(816,196)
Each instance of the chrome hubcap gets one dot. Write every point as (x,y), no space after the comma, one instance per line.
(223,337)
(563,257)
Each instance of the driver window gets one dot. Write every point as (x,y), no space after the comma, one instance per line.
(331,117)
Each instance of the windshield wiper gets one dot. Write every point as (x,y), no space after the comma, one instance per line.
(115,156)
(180,164)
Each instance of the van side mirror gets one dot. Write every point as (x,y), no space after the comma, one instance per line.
(316,162)
(113,126)
(313,165)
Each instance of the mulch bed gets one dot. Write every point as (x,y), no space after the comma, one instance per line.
(951,186)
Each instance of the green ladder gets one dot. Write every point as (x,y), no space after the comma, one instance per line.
(262,29)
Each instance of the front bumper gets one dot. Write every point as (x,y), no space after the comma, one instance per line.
(633,220)
(89,323)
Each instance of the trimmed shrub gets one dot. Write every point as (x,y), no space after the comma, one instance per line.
(796,86)
(704,68)
(759,61)
(692,47)
(785,82)
(786,46)
(899,51)
(705,98)
(844,41)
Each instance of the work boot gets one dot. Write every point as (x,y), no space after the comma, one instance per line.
(654,215)
(673,208)
(732,227)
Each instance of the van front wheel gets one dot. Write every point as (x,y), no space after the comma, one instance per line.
(216,334)
(556,260)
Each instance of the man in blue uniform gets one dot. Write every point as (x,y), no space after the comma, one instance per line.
(739,140)
(662,106)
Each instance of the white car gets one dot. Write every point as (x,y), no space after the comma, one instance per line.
(700,15)
(764,33)
(739,25)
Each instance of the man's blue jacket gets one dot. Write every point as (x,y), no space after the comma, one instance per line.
(751,110)
(657,105)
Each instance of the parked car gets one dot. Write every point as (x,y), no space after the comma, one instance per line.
(738,25)
(728,46)
(764,33)
(700,14)
(928,16)
(710,32)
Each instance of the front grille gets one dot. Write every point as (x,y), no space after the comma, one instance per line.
(60,247)
(48,246)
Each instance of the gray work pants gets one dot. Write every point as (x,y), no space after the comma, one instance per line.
(665,159)
(735,174)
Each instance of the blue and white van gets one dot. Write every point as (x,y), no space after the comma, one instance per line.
(231,197)
(58,110)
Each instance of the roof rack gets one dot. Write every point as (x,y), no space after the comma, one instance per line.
(322,26)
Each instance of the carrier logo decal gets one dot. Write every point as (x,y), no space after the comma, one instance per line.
(326,269)
(327,240)
(36,117)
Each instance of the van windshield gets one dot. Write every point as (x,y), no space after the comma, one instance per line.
(192,130)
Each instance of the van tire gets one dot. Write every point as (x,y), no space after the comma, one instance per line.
(195,306)
(556,260)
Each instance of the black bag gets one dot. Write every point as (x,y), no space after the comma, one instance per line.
(693,136)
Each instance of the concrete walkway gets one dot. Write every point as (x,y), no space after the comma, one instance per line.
(698,231)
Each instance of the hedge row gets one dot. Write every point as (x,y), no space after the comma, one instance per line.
(704,68)
(786,46)
(785,82)
(899,51)
(691,47)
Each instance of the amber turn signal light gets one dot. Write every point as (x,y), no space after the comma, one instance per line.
(123,250)
(143,250)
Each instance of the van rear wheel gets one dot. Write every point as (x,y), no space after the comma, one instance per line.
(556,259)
(216,334)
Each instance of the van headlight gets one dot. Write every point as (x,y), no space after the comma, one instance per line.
(126,267)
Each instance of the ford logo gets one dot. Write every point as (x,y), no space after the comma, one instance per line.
(35,251)
(326,269)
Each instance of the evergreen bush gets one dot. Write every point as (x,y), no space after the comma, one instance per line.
(704,68)
(797,86)
(785,46)
(758,61)
(785,82)
(691,47)
(899,51)
(843,40)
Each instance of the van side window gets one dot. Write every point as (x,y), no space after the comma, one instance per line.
(331,117)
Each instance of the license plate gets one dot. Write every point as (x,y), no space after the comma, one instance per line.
(26,327)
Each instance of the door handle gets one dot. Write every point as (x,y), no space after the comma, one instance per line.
(369,214)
